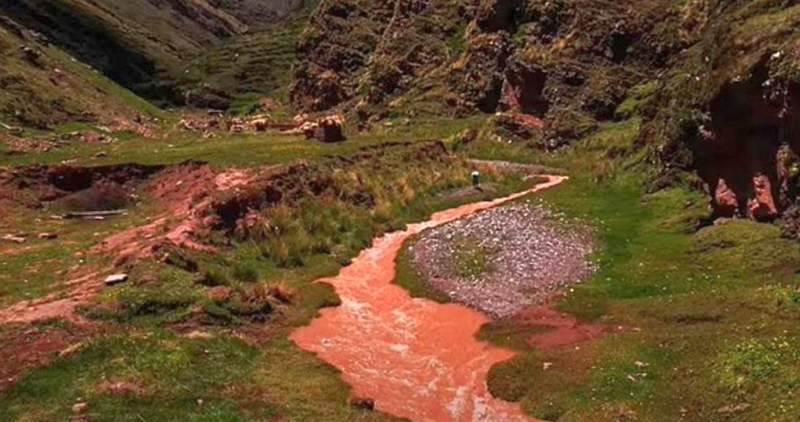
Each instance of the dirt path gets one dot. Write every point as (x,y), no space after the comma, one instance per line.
(416,358)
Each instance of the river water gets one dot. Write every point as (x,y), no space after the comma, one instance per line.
(415,358)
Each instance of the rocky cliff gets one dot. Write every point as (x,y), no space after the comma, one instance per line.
(729,108)
(715,81)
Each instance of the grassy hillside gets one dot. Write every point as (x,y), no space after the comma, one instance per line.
(43,87)
(143,44)
(247,67)
(677,122)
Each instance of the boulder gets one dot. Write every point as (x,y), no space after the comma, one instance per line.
(13,238)
(362,403)
(116,279)
(80,408)
(260,125)
(327,129)
(524,126)
(762,206)
(725,202)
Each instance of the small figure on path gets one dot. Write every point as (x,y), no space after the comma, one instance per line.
(476,179)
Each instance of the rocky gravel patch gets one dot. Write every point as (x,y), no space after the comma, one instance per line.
(528,253)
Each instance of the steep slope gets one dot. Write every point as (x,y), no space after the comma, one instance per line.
(243,69)
(139,43)
(371,50)
(144,44)
(257,13)
(571,61)
(41,86)
(715,81)
(733,109)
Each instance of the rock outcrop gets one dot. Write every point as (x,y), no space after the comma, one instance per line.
(729,108)
(561,61)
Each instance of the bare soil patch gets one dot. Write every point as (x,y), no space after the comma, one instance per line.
(24,348)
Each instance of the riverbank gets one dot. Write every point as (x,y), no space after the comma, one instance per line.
(414,357)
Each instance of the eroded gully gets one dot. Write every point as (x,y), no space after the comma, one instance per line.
(415,358)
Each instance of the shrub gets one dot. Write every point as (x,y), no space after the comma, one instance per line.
(215,277)
(246,272)
(283,292)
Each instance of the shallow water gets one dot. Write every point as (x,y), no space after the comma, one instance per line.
(414,357)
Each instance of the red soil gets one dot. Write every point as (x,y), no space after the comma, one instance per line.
(56,305)
(565,329)
(415,358)
(185,192)
(22,350)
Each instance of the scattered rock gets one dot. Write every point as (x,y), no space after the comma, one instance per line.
(80,408)
(13,238)
(70,350)
(530,255)
(328,129)
(733,409)
(48,236)
(119,388)
(199,335)
(116,279)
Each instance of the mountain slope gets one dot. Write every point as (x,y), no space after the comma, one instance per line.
(715,81)
(144,44)
(42,86)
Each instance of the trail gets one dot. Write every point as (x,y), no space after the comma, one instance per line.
(414,357)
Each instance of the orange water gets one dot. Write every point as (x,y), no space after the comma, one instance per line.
(415,358)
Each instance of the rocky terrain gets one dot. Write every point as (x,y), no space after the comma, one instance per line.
(524,256)
(697,71)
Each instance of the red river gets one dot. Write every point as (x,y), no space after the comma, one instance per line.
(415,358)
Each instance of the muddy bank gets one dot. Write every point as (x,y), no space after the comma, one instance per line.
(502,260)
(416,358)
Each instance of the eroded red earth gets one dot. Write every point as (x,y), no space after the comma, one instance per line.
(415,358)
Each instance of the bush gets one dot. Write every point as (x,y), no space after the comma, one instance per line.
(246,273)
(215,277)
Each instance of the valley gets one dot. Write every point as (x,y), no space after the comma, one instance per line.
(358,210)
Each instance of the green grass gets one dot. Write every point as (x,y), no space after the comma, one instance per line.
(409,277)
(175,378)
(471,260)
(637,96)
(304,241)
(251,66)
(39,267)
(237,150)
(709,319)
(698,311)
